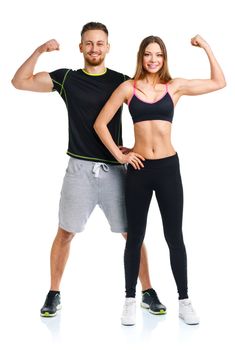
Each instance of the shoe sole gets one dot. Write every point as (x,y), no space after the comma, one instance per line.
(128,324)
(146,306)
(190,324)
(47,314)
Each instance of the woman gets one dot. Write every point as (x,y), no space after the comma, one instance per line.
(153,161)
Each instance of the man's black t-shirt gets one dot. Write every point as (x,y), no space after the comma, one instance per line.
(84,95)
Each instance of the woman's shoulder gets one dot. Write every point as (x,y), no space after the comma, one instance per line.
(175,84)
(129,82)
(127,85)
(176,81)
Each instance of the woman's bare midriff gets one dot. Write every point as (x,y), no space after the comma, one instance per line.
(153,139)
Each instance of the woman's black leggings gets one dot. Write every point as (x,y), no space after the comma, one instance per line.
(163,177)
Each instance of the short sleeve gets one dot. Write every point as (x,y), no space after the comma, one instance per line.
(58,78)
(126,77)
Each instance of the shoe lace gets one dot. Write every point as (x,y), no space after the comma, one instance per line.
(154,296)
(50,300)
(127,306)
(189,307)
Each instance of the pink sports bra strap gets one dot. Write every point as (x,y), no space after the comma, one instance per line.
(134,86)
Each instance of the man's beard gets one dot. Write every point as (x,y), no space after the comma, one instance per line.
(94,62)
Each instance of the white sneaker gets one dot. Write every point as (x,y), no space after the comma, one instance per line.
(129,311)
(187,313)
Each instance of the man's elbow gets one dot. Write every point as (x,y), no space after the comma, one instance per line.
(17,84)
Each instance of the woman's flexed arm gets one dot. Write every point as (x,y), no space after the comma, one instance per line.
(201,86)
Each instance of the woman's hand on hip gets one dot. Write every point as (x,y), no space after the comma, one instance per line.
(135,159)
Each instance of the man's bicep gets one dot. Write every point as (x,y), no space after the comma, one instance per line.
(41,82)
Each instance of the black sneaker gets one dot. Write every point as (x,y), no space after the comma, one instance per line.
(151,302)
(52,305)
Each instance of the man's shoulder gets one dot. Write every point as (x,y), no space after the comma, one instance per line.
(119,75)
(62,71)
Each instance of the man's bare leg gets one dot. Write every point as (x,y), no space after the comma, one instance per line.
(59,256)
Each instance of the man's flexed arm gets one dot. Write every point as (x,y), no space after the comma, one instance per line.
(25,79)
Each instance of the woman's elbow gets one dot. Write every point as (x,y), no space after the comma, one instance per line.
(221,83)
(97,126)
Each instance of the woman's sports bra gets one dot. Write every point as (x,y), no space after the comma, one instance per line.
(162,109)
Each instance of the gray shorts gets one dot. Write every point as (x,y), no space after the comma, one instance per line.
(87,184)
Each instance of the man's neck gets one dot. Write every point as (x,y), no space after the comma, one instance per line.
(95,70)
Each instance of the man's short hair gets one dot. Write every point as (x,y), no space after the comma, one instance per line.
(94,26)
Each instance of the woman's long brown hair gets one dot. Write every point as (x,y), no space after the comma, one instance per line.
(140,73)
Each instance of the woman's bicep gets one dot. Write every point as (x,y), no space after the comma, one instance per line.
(110,108)
(195,86)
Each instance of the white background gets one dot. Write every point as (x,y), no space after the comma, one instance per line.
(33,137)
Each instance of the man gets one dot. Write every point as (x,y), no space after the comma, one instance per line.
(93,176)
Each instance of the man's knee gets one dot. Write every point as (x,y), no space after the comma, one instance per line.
(64,236)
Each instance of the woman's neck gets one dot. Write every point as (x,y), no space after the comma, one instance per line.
(151,79)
